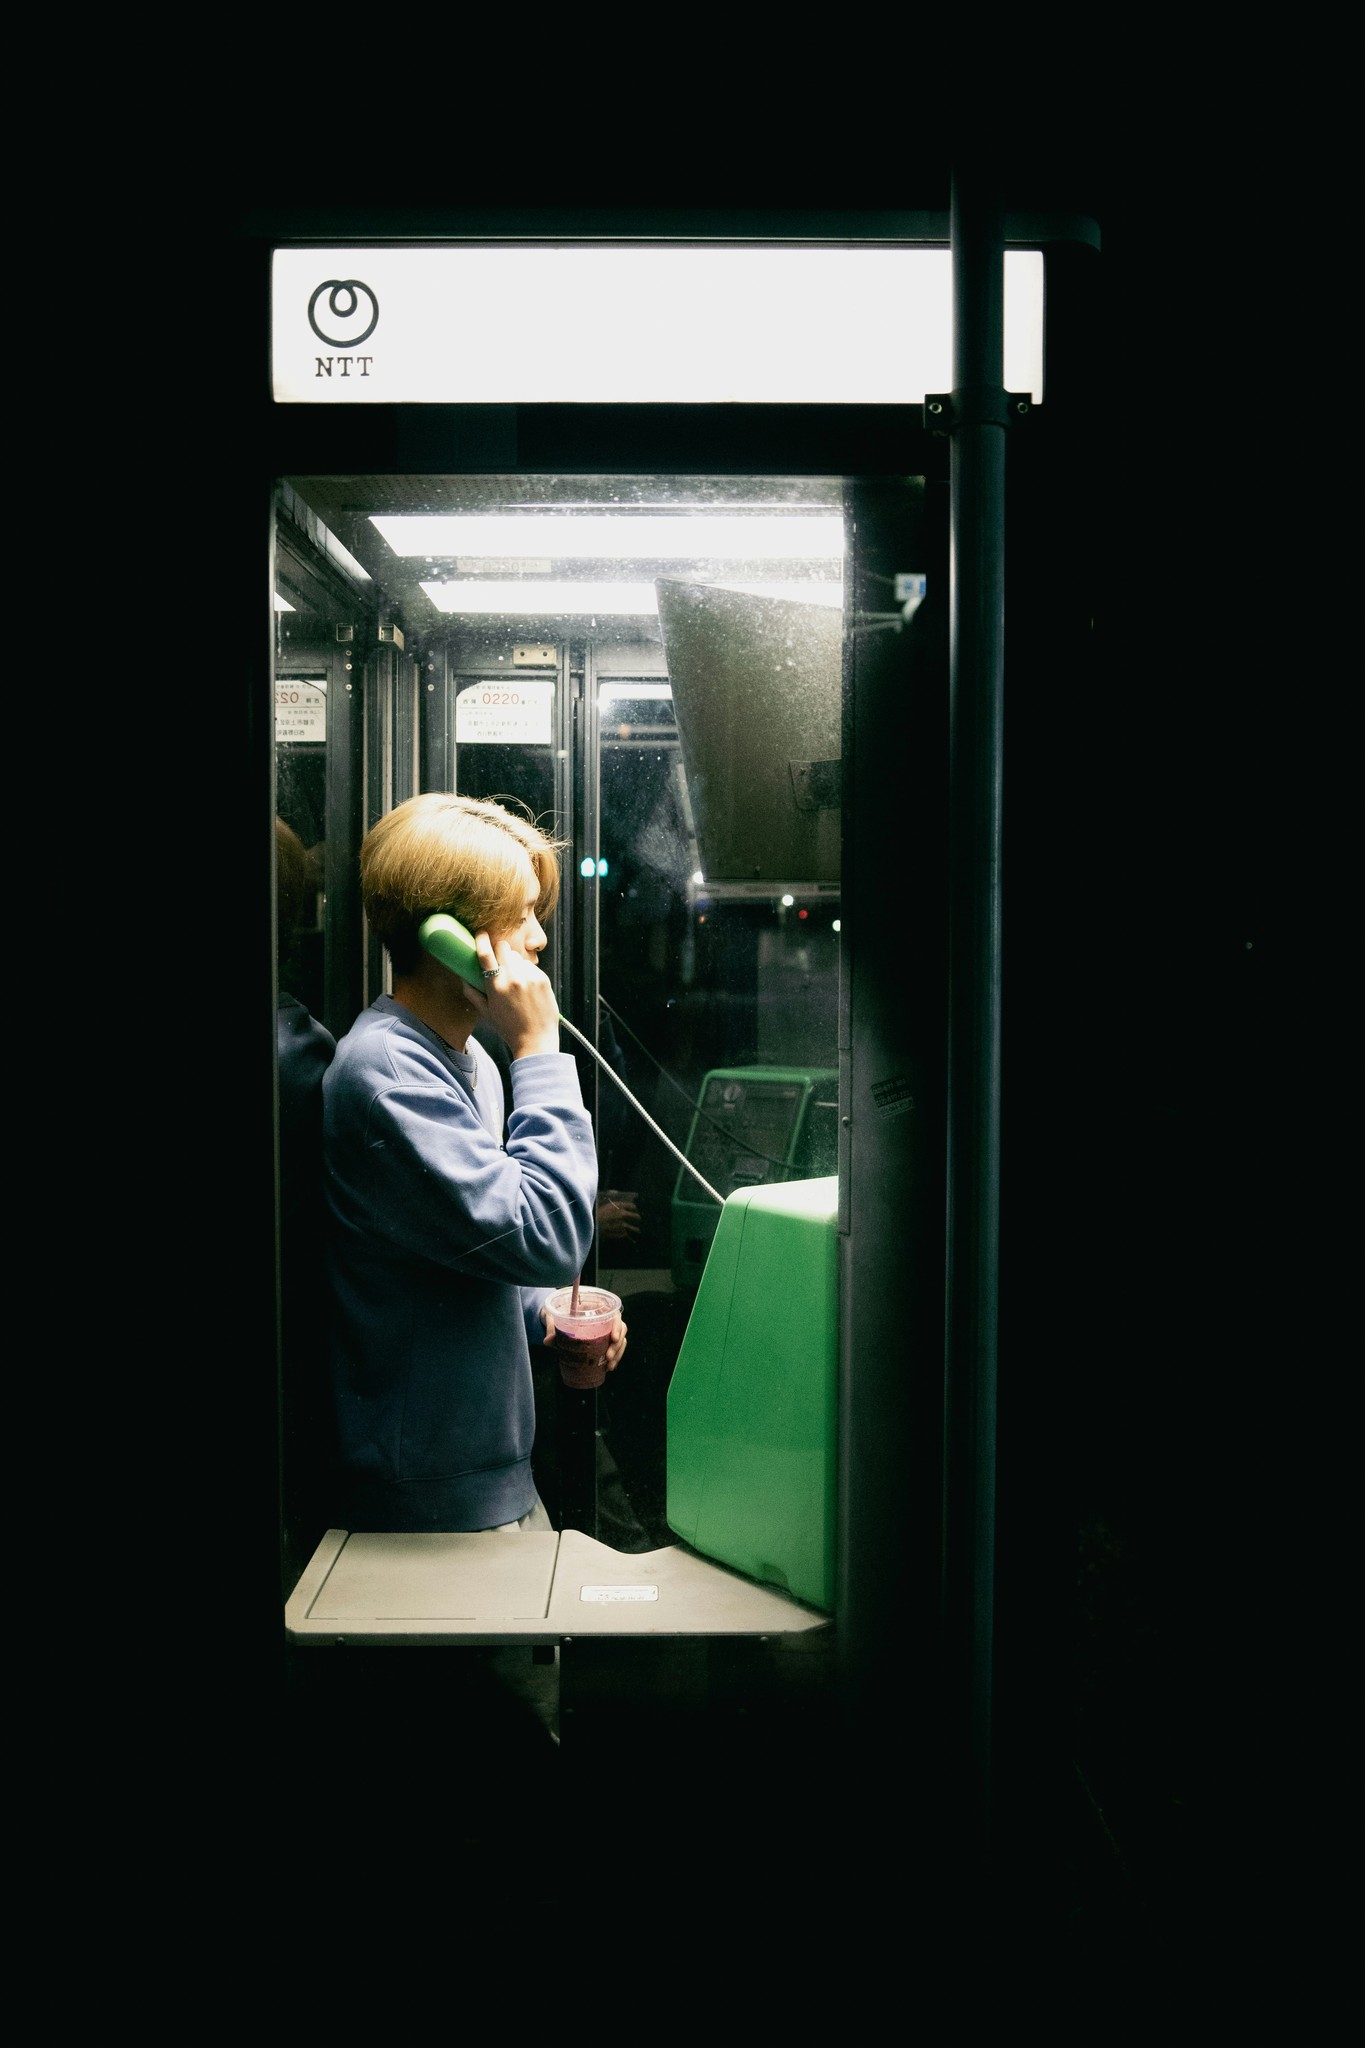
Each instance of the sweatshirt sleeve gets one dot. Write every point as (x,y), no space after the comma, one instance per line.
(412,1165)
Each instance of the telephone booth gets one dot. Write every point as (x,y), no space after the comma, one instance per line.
(714,575)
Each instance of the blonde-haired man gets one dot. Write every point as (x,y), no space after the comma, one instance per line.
(444,1240)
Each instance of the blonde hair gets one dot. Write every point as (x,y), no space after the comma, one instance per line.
(459,854)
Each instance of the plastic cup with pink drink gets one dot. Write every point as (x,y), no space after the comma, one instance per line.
(583,1334)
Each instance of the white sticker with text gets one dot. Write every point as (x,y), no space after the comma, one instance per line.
(519,711)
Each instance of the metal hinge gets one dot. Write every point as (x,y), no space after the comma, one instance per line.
(946,411)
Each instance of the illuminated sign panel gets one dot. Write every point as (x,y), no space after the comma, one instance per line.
(639,325)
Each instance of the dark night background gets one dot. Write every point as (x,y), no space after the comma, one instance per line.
(1151,1123)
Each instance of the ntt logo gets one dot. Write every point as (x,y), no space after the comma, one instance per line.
(343,312)
(349,315)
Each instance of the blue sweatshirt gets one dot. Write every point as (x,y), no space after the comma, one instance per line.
(442,1245)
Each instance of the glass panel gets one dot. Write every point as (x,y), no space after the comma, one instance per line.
(503,751)
(719,1008)
(698,935)
(301,805)
(304,1048)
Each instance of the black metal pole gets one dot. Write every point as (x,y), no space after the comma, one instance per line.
(976,684)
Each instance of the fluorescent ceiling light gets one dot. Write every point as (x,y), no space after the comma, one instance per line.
(620,536)
(526,596)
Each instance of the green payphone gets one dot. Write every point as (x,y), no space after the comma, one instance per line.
(753,1401)
(752,1127)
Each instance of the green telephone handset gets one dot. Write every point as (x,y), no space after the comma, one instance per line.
(446,938)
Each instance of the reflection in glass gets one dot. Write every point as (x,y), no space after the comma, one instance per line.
(718,1005)
(701,788)
(304,1049)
